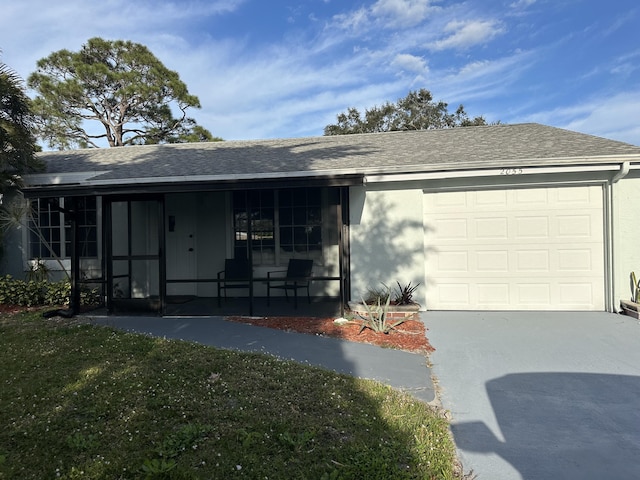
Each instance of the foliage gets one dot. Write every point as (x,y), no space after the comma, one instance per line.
(376,315)
(416,111)
(186,132)
(38,271)
(635,288)
(31,293)
(404,294)
(82,401)
(157,468)
(17,144)
(119,85)
(377,295)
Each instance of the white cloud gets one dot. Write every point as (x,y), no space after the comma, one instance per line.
(602,115)
(411,63)
(485,79)
(465,34)
(522,3)
(401,13)
(353,21)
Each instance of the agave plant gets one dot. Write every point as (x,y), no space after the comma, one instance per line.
(375,317)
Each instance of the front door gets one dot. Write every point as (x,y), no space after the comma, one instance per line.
(134,248)
(181,244)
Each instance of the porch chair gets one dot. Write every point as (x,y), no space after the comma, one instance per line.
(297,276)
(236,274)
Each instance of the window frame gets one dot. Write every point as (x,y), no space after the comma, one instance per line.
(62,226)
(280,257)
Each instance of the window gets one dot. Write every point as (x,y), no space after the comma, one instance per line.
(87,218)
(284,224)
(44,229)
(50,231)
(301,222)
(256,206)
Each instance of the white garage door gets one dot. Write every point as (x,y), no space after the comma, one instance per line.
(515,249)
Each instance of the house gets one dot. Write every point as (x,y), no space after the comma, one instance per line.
(501,217)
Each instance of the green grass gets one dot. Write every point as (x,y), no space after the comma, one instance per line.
(81,401)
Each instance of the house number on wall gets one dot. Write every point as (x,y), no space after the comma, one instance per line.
(511,171)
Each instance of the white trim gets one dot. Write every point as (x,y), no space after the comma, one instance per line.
(85,179)
(507,172)
(624,171)
(61,178)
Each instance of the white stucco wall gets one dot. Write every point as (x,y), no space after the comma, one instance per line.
(387,239)
(626,234)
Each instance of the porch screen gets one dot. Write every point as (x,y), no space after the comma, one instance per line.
(284,224)
(50,231)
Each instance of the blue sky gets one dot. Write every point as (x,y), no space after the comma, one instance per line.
(286,68)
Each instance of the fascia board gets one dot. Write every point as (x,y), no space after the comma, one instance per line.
(493,172)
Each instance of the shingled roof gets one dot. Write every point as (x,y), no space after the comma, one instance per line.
(469,148)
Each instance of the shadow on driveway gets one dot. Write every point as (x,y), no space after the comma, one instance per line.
(540,395)
(583,425)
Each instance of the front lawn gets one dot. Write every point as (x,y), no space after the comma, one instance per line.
(80,401)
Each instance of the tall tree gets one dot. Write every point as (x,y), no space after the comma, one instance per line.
(416,111)
(17,144)
(119,84)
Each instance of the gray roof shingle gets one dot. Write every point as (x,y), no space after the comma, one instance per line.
(466,148)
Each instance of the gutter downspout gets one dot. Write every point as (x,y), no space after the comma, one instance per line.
(624,171)
(625,167)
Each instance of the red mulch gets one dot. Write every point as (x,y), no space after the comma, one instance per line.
(409,336)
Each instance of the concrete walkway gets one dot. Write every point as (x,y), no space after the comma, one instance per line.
(540,395)
(401,370)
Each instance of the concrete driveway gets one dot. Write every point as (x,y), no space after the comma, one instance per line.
(540,395)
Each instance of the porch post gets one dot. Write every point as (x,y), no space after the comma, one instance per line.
(249,251)
(344,251)
(75,257)
(107,249)
(162,261)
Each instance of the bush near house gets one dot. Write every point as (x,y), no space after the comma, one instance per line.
(33,293)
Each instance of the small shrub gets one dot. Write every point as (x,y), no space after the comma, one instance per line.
(32,293)
(38,271)
(58,293)
(377,295)
(404,294)
(19,292)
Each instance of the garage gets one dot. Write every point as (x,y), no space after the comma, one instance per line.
(515,249)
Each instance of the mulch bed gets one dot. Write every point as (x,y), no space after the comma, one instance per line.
(409,336)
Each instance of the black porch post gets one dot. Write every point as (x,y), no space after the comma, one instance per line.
(107,249)
(75,258)
(162,262)
(249,251)
(344,250)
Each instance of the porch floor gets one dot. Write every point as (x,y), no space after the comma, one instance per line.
(324,307)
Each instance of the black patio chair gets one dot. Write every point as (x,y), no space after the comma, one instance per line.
(236,274)
(297,276)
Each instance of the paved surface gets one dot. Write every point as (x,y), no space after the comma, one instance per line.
(540,395)
(402,370)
